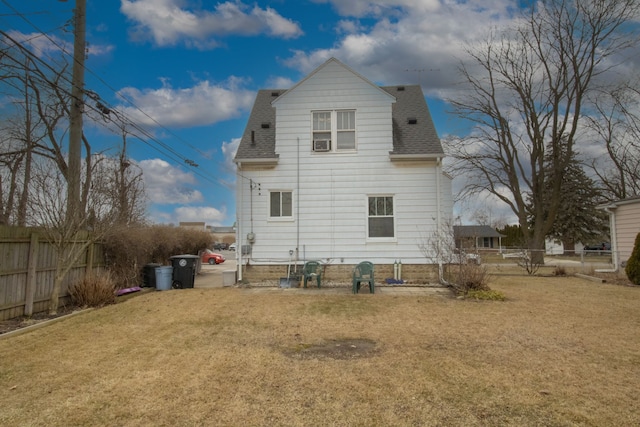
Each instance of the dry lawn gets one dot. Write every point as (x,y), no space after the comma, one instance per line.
(560,351)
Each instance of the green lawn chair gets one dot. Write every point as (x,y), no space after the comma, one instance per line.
(363,273)
(312,270)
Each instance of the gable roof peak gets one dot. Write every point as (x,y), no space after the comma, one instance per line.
(324,65)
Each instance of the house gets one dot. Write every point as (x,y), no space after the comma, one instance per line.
(193,225)
(339,170)
(222,235)
(624,223)
(477,237)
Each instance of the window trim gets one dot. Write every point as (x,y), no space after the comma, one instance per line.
(393,238)
(280,218)
(333,140)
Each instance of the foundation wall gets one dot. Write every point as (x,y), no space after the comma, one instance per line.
(412,273)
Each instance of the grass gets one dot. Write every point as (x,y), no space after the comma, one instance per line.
(560,351)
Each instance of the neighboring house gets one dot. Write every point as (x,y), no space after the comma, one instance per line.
(223,234)
(624,222)
(477,237)
(193,225)
(340,170)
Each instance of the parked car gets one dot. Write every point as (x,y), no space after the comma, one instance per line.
(232,247)
(210,257)
(604,247)
(221,246)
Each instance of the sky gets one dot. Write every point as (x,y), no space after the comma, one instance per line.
(189,70)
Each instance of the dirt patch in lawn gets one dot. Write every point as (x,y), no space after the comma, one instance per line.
(348,348)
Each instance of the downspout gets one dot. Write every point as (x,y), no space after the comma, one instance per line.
(297,204)
(239,224)
(438,218)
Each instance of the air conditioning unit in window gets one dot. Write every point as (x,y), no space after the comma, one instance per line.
(321,144)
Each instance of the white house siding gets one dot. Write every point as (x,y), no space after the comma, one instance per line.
(627,227)
(330,190)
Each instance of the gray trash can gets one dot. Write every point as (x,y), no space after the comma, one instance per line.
(164,278)
(184,270)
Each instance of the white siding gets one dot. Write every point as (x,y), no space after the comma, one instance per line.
(330,189)
(627,222)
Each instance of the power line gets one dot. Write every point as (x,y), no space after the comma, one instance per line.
(190,163)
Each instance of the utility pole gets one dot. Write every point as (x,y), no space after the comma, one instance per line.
(75,112)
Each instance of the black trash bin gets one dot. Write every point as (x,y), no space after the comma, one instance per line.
(149,275)
(184,270)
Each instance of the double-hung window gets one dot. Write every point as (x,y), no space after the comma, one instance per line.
(280,205)
(334,130)
(381,217)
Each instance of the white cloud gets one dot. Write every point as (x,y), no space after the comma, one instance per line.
(46,45)
(420,43)
(166,184)
(276,82)
(170,22)
(362,8)
(203,104)
(349,26)
(229,151)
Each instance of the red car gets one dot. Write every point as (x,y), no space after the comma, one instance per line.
(210,257)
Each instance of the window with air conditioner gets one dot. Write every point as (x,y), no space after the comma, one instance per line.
(334,130)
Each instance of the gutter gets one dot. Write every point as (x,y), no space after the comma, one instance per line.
(414,157)
(272,161)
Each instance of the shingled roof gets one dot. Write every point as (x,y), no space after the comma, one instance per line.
(414,134)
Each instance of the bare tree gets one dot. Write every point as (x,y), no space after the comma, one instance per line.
(527,89)
(618,125)
(47,203)
(34,187)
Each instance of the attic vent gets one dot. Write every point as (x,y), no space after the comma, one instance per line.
(400,88)
(412,120)
(275,93)
(265,125)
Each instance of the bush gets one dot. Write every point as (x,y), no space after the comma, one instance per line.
(633,264)
(486,295)
(129,249)
(468,277)
(93,291)
(559,270)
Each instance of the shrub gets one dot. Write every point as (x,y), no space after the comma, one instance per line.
(490,295)
(467,277)
(559,270)
(633,264)
(93,291)
(129,249)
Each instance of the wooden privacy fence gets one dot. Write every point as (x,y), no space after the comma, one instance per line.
(28,268)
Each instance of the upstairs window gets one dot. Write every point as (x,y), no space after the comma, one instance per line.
(346,130)
(381,217)
(334,130)
(281,204)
